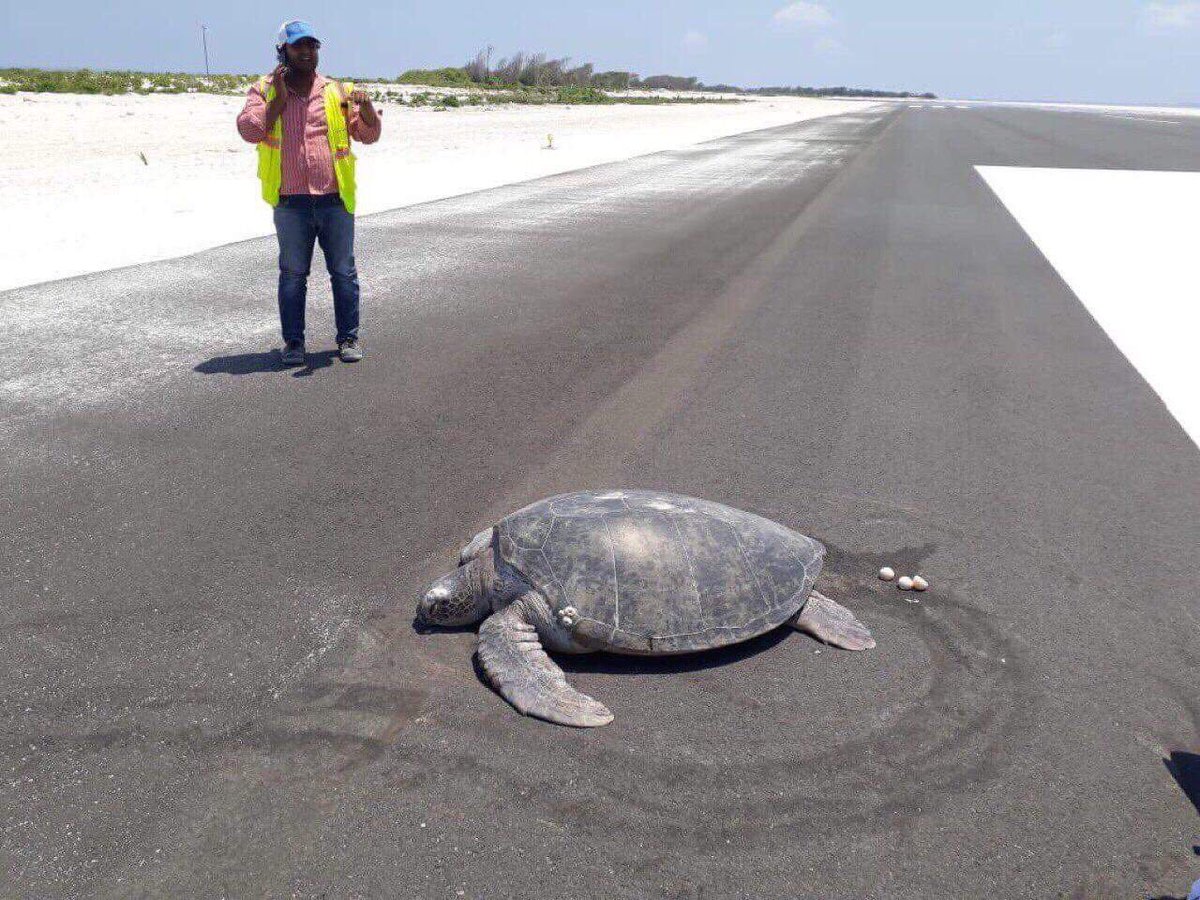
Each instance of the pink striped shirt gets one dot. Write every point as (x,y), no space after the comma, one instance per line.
(307,160)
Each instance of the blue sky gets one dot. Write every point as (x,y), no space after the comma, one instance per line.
(1128,51)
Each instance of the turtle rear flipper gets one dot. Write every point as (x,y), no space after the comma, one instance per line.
(518,667)
(832,623)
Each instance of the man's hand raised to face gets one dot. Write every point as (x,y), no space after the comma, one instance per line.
(278,80)
(365,109)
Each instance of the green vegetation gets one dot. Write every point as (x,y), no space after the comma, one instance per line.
(571,93)
(448,77)
(86,81)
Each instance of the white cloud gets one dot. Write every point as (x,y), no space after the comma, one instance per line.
(812,15)
(1057,40)
(695,41)
(1171,16)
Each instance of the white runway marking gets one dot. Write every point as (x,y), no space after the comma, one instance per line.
(1142,119)
(1125,242)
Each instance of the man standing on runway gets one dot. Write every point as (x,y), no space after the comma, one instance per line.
(302,123)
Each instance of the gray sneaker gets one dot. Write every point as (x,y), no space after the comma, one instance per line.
(348,351)
(292,354)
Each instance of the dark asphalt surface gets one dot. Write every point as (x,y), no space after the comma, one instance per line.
(214,686)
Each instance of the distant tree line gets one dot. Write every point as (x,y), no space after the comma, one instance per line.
(830,92)
(539,70)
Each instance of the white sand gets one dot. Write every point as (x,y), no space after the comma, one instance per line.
(80,199)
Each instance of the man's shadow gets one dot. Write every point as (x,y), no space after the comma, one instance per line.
(1185,769)
(254,363)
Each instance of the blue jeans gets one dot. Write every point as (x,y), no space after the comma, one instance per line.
(299,220)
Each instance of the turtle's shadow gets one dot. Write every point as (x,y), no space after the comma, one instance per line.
(425,628)
(618,664)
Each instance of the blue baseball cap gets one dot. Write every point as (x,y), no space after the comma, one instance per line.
(294,30)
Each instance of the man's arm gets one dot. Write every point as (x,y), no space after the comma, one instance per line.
(257,117)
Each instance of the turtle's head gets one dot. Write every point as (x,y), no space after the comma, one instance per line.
(459,598)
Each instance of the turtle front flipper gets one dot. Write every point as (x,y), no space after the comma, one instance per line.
(832,623)
(518,667)
(477,545)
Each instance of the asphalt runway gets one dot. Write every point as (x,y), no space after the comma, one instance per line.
(211,563)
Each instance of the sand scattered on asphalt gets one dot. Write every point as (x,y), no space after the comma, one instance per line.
(86,201)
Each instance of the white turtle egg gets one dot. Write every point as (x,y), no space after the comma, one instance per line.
(887,573)
(919,583)
(905,583)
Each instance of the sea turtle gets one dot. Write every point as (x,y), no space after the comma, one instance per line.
(631,572)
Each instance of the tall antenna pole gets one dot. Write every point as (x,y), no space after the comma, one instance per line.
(204,38)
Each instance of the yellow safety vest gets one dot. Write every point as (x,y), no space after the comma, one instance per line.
(270,151)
